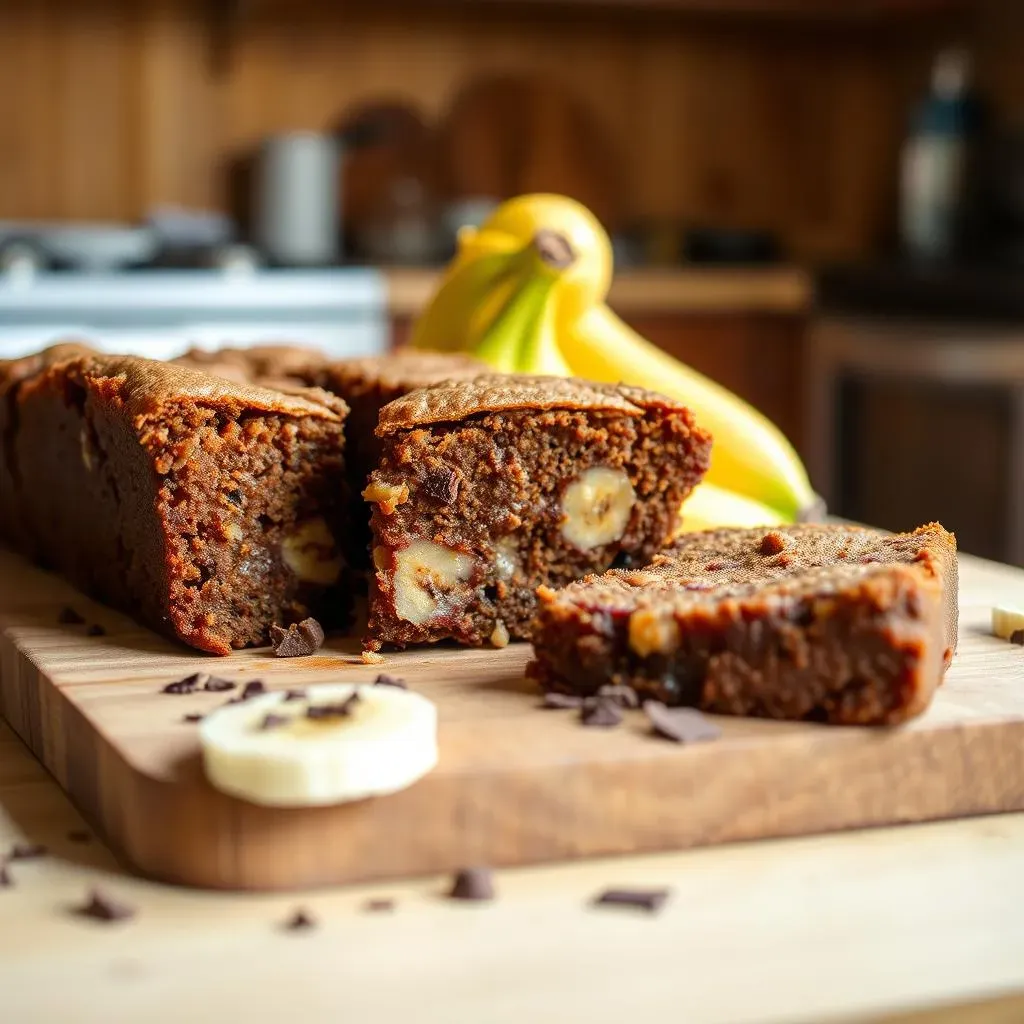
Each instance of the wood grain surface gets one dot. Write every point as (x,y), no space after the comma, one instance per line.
(515,785)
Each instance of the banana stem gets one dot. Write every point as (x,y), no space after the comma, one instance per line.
(554,249)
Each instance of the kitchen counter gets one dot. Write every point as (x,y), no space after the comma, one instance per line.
(837,928)
(774,289)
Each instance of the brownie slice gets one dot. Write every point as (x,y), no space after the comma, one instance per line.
(488,488)
(819,622)
(208,509)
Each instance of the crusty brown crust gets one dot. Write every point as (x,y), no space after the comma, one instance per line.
(822,622)
(509,393)
(490,489)
(174,495)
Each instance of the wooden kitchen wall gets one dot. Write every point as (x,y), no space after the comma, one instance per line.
(108,107)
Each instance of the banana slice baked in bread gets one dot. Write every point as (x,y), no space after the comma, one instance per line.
(488,488)
(824,623)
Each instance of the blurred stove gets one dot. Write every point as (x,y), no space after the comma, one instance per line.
(161,312)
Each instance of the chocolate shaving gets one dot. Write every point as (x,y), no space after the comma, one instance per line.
(27,851)
(69,617)
(339,709)
(96,630)
(1017,637)
(187,685)
(624,696)
(101,907)
(379,906)
(601,713)
(472,884)
(300,921)
(272,721)
(79,835)
(682,725)
(651,900)
(253,688)
(298,640)
(561,701)
(217,685)
(294,695)
(386,679)
(193,716)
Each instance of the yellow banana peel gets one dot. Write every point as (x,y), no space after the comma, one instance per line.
(711,508)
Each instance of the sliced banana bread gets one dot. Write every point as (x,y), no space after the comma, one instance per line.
(488,488)
(825,623)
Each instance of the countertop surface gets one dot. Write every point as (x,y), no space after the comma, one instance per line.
(839,928)
(780,289)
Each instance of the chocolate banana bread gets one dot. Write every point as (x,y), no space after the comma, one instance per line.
(823,623)
(208,509)
(365,384)
(488,488)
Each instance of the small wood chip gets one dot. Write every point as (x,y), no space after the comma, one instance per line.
(472,884)
(101,907)
(681,725)
(651,900)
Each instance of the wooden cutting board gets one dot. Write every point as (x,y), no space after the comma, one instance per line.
(515,785)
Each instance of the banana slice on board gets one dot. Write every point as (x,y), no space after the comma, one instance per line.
(339,742)
(1007,621)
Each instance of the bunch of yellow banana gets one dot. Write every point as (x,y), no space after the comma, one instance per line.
(525,292)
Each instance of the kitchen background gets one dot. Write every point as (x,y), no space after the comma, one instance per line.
(781,177)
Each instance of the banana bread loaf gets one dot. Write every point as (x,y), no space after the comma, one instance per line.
(208,509)
(825,623)
(487,488)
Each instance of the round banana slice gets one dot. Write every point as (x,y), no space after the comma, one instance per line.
(1006,621)
(340,742)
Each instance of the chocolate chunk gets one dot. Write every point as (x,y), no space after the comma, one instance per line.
(651,900)
(96,630)
(253,688)
(102,907)
(298,640)
(6,881)
(300,921)
(624,696)
(339,709)
(27,851)
(294,695)
(379,906)
(272,721)
(561,700)
(472,884)
(385,679)
(683,725)
(193,716)
(771,543)
(441,485)
(69,617)
(600,712)
(79,835)
(187,685)
(217,685)
(1017,637)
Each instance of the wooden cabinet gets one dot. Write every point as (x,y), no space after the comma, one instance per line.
(913,422)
